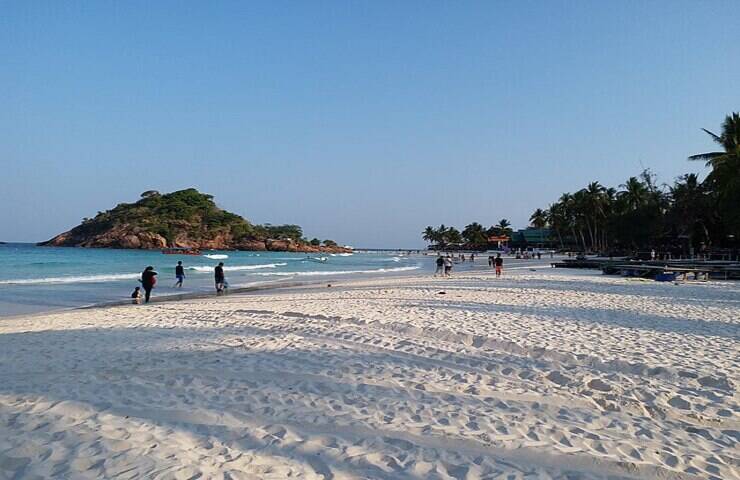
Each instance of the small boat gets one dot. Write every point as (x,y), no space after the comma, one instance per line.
(216,256)
(316,259)
(181,251)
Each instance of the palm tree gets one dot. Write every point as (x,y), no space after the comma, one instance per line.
(504,225)
(429,234)
(557,220)
(538,218)
(724,179)
(690,207)
(635,193)
(475,234)
(730,141)
(594,203)
(452,235)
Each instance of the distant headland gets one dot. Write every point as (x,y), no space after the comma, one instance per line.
(188,219)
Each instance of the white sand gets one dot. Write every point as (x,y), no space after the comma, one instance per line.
(538,375)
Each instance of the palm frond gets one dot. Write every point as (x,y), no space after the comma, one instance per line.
(715,137)
(707,157)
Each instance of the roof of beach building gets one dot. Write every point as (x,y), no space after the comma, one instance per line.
(532,235)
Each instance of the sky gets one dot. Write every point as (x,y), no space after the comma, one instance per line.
(361,121)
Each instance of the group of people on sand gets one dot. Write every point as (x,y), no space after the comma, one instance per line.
(149,279)
(444,266)
(445,263)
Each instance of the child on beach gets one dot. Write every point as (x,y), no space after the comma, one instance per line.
(136,296)
(499,262)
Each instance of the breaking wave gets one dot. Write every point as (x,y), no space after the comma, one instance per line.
(337,272)
(77,279)
(236,268)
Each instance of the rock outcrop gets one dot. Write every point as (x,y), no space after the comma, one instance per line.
(187,219)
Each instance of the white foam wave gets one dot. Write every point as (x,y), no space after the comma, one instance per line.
(236,268)
(336,272)
(76,279)
(135,276)
(216,256)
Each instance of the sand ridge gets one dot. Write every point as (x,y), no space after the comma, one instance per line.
(541,374)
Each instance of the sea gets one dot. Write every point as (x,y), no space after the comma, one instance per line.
(37,279)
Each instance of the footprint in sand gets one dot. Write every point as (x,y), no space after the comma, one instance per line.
(558,378)
(600,385)
(679,402)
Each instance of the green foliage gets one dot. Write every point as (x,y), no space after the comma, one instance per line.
(315,242)
(723,182)
(475,235)
(442,236)
(538,218)
(330,243)
(184,211)
(640,213)
(279,232)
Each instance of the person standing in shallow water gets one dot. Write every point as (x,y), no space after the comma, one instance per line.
(440,266)
(179,274)
(499,262)
(148,280)
(218,275)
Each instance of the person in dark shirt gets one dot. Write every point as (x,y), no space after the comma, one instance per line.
(499,264)
(148,280)
(179,274)
(440,266)
(219,277)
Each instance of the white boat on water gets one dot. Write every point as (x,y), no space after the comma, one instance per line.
(316,259)
(216,256)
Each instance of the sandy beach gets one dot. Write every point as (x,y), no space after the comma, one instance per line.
(539,375)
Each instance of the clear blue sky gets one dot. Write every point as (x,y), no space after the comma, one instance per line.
(361,121)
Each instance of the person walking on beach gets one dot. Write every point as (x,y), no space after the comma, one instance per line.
(219,277)
(448,265)
(499,262)
(148,280)
(440,266)
(179,275)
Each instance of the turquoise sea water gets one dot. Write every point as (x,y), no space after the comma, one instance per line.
(37,279)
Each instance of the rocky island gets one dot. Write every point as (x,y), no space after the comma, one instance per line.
(184,219)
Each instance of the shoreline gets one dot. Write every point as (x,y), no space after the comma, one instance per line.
(70,278)
(270,285)
(266,286)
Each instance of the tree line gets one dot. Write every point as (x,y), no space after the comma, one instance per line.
(473,236)
(640,213)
